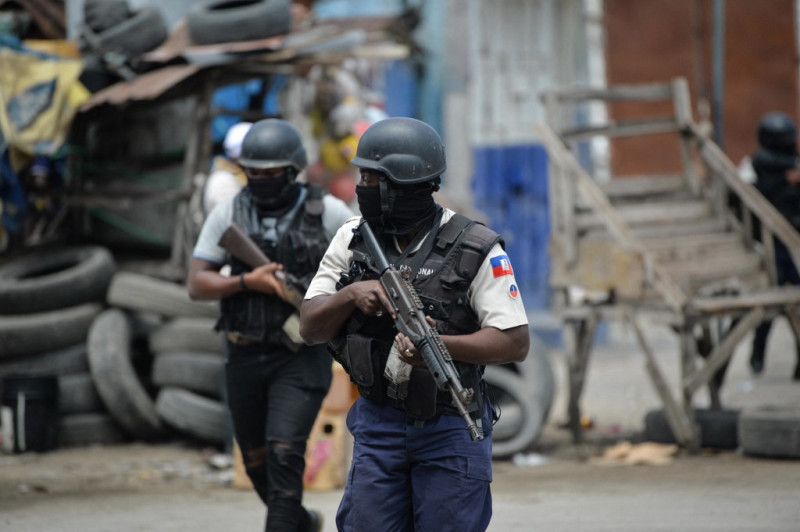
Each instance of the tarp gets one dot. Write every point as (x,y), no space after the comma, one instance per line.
(39,97)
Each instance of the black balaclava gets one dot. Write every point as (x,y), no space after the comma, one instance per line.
(396,210)
(274,196)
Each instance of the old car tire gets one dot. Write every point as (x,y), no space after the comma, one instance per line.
(192,414)
(718,428)
(42,332)
(186,334)
(143,31)
(77,394)
(55,279)
(117,382)
(148,294)
(197,372)
(238,20)
(101,15)
(772,431)
(77,430)
(518,431)
(64,361)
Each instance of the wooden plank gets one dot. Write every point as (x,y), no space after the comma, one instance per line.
(643,185)
(628,128)
(681,425)
(693,246)
(774,296)
(723,352)
(639,92)
(682,228)
(649,213)
(734,264)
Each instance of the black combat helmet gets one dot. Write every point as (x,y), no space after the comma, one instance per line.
(272,143)
(777,132)
(408,151)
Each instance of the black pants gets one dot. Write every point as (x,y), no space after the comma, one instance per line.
(274,397)
(787,275)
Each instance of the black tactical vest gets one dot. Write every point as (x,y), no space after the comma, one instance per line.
(299,248)
(441,280)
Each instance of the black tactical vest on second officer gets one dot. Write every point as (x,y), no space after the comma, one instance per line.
(299,246)
(441,273)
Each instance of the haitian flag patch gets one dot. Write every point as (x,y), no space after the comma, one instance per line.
(501,266)
(513,291)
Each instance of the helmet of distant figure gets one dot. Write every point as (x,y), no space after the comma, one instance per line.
(777,132)
(272,143)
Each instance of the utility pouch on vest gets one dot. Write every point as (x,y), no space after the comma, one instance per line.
(421,400)
(362,357)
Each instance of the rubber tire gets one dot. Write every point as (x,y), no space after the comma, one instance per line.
(78,430)
(771,431)
(515,434)
(192,414)
(718,428)
(60,362)
(77,394)
(143,31)
(144,293)
(186,334)
(55,279)
(238,20)
(101,15)
(203,373)
(33,334)
(117,382)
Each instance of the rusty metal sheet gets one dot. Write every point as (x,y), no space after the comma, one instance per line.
(147,86)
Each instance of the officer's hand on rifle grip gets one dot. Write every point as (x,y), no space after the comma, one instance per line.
(263,279)
(370,298)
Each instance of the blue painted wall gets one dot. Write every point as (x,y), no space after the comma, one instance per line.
(510,187)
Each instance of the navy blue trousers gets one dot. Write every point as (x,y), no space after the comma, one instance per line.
(431,478)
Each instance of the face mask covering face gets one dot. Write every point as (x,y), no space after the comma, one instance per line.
(412,208)
(369,203)
(273,194)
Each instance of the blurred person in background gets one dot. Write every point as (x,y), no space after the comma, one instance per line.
(226,178)
(274,386)
(777,177)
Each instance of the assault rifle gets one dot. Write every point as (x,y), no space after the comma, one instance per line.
(411,321)
(236,242)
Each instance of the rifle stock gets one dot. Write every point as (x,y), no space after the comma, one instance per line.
(411,321)
(236,242)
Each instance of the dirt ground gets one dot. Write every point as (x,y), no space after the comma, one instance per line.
(556,486)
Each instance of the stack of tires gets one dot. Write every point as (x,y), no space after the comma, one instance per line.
(48,302)
(134,357)
(185,377)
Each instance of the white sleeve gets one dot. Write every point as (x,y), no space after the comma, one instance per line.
(220,186)
(336,213)
(335,262)
(207,247)
(494,293)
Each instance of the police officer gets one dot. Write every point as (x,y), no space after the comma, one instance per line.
(274,386)
(778,179)
(415,466)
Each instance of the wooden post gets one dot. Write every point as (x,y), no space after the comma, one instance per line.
(579,340)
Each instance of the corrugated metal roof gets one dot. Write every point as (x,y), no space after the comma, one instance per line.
(330,41)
